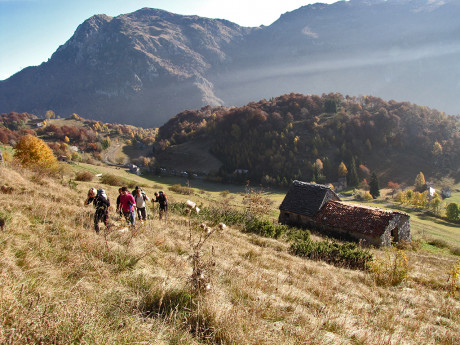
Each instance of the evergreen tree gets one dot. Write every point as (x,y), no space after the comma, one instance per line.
(374,188)
(353,179)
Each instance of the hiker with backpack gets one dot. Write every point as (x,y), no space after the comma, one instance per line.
(120,213)
(140,197)
(162,200)
(128,205)
(102,203)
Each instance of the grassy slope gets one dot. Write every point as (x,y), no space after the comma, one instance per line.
(61,283)
(193,155)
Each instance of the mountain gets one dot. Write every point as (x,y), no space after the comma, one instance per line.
(144,67)
(139,68)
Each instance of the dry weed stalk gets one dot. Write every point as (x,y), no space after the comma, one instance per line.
(391,270)
(256,204)
(201,270)
(454,276)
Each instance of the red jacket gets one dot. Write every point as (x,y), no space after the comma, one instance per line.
(127,202)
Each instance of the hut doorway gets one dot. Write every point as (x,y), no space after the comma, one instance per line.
(395,234)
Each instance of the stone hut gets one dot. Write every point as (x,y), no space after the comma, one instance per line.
(318,207)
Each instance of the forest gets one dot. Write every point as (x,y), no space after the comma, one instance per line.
(313,138)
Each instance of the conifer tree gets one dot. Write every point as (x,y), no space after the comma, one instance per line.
(374,188)
(353,179)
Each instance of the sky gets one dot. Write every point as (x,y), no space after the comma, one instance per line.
(32,30)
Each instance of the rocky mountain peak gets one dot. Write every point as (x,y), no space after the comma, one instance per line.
(153,64)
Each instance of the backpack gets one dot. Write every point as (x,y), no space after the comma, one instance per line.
(101,193)
(144,196)
(163,199)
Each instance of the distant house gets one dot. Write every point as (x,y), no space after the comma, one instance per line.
(240,171)
(319,207)
(341,184)
(134,169)
(446,192)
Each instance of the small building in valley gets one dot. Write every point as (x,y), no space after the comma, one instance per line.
(319,207)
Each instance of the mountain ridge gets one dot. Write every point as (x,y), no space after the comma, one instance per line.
(153,64)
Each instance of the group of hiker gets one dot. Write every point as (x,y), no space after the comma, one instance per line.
(128,205)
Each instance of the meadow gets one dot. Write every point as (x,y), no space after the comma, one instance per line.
(61,283)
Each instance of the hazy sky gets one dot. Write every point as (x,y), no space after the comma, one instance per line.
(32,30)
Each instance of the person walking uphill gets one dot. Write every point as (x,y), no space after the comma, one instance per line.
(120,213)
(102,204)
(162,200)
(140,197)
(127,204)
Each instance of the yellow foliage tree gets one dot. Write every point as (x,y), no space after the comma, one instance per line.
(32,151)
(342,171)
(420,183)
(50,114)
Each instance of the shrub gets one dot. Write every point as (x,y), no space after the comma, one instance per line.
(439,243)
(181,189)
(216,214)
(363,195)
(390,270)
(455,251)
(265,227)
(224,193)
(84,176)
(345,255)
(113,180)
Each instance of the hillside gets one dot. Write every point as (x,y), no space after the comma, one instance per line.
(306,137)
(61,283)
(144,67)
(78,139)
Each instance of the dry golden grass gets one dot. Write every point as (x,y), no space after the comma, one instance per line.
(60,283)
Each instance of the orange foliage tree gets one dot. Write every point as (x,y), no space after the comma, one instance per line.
(32,151)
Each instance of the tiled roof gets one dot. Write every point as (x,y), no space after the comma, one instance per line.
(355,218)
(307,198)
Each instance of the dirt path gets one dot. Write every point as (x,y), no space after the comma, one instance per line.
(114,155)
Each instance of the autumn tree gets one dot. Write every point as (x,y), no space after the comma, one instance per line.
(50,114)
(437,149)
(364,184)
(393,186)
(420,184)
(435,203)
(342,171)
(32,151)
(318,175)
(365,171)
(374,188)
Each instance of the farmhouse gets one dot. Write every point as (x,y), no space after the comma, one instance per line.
(319,207)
